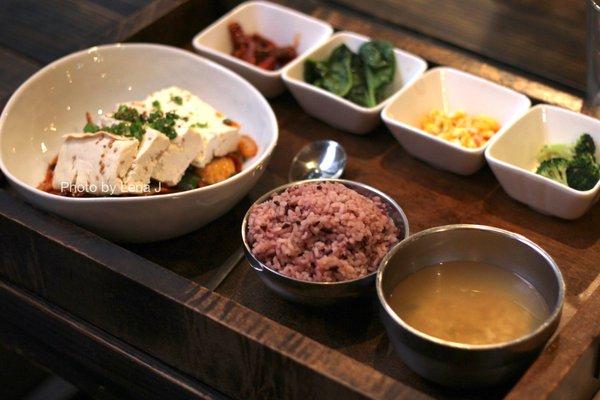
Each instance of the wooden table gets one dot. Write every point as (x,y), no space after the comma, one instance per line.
(135,321)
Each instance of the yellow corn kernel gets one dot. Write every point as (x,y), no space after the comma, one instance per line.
(458,127)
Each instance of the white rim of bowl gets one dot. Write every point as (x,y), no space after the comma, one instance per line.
(192,56)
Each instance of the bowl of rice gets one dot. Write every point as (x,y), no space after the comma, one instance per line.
(321,241)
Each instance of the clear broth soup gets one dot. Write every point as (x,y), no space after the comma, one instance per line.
(469,302)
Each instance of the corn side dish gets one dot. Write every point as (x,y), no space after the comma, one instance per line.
(460,128)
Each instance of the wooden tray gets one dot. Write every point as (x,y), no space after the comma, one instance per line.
(248,343)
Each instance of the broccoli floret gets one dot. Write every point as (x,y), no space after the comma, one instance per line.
(555,169)
(559,150)
(583,173)
(585,144)
(574,166)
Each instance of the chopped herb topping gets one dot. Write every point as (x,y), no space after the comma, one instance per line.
(132,122)
(200,125)
(177,100)
(229,122)
(90,127)
(133,129)
(164,123)
(128,129)
(125,113)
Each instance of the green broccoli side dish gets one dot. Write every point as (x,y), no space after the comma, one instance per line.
(360,78)
(555,169)
(585,145)
(583,172)
(571,165)
(555,151)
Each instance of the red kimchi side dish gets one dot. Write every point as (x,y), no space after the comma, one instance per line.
(258,50)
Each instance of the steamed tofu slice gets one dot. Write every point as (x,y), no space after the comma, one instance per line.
(173,162)
(95,163)
(218,136)
(103,163)
(151,148)
(177,154)
(218,140)
(169,158)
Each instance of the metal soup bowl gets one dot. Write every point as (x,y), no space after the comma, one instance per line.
(322,293)
(465,365)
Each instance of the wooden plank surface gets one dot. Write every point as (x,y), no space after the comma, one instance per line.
(46,30)
(198,13)
(222,338)
(34,33)
(570,365)
(545,37)
(99,364)
(429,197)
(14,69)
(440,53)
(203,334)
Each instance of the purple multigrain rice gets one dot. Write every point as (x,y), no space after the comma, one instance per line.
(321,232)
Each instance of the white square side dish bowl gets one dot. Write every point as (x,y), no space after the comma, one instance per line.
(54,101)
(335,110)
(513,159)
(449,90)
(282,25)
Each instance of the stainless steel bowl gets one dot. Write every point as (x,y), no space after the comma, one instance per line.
(465,365)
(322,293)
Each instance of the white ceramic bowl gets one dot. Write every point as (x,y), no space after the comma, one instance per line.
(54,101)
(512,157)
(336,110)
(280,24)
(449,90)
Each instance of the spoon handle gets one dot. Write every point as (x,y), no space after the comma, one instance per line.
(224,269)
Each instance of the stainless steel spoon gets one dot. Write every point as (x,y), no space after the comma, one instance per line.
(320,159)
